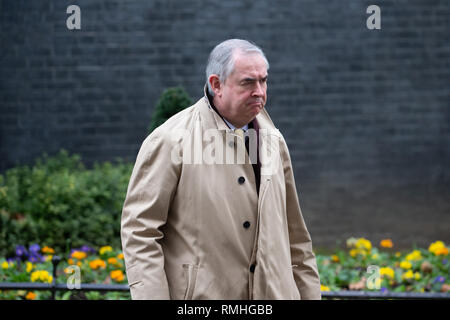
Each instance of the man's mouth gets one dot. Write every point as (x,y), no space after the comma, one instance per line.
(256,104)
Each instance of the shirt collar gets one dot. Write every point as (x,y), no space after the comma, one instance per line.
(245,128)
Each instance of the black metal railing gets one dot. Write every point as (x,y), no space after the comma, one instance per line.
(53,287)
(325,295)
(352,294)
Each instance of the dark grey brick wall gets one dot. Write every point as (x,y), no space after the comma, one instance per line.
(365,112)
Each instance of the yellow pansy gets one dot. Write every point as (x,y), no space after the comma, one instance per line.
(29,266)
(105,249)
(408,275)
(324,288)
(414,256)
(436,246)
(355,252)
(389,272)
(359,246)
(5,265)
(405,265)
(364,244)
(41,275)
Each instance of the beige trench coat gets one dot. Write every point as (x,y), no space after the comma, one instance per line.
(183,233)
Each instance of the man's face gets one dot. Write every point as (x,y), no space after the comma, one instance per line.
(243,94)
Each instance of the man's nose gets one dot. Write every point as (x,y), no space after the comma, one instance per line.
(259,90)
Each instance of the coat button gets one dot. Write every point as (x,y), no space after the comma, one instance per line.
(252,268)
(241,180)
(246,224)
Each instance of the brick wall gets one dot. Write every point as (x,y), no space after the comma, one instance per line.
(365,113)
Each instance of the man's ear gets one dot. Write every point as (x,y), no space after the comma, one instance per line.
(214,82)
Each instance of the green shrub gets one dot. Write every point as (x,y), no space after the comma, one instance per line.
(172,101)
(60,203)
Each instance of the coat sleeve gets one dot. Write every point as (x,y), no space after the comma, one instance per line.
(150,191)
(304,264)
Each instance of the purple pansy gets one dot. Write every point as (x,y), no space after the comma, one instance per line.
(21,251)
(34,248)
(87,249)
(36,257)
(12,260)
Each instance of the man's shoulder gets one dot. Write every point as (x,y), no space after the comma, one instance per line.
(266,125)
(183,121)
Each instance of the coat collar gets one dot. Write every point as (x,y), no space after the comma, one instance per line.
(266,132)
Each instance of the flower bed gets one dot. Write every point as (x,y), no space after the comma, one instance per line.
(364,267)
(361,267)
(104,266)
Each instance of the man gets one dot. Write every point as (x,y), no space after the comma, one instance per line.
(196,228)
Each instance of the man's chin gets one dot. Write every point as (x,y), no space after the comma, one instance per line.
(257,109)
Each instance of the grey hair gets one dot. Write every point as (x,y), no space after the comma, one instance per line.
(221,59)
